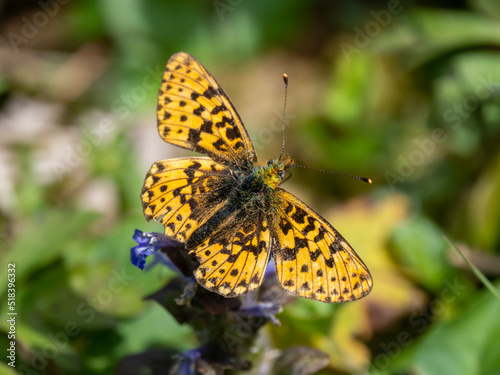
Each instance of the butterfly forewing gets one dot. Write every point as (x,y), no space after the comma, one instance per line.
(194,112)
(184,192)
(312,259)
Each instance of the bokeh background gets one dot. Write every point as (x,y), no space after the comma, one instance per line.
(404,92)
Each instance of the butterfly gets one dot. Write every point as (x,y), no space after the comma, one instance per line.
(229,210)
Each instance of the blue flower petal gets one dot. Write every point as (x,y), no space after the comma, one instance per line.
(148,243)
(138,255)
(140,238)
(186,362)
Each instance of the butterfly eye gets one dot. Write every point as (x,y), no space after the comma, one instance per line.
(281,174)
(269,162)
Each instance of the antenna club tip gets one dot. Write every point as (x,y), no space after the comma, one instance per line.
(367,180)
(285,78)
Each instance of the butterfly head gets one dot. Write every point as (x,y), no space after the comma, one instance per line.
(275,170)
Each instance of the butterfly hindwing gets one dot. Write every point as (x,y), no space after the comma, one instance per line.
(233,260)
(312,259)
(194,112)
(184,192)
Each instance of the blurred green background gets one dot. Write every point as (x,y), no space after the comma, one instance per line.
(404,92)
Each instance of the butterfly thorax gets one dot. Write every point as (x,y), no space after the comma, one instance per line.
(251,194)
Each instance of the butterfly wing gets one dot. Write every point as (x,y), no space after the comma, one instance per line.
(312,259)
(233,260)
(185,192)
(194,112)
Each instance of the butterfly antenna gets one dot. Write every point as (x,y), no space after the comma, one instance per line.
(285,79)
(365,179)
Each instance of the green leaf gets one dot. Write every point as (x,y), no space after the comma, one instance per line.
(44,239)
(421,249)
(465,345)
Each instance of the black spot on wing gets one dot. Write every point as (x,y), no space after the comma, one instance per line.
(285,226)
(206,127)
(198,111)
(315,255)
(320,236)
(210,92)
(299,215)
(255,279)
(301,243)
(305,286)
(194,136)
(288,253)
(243,283)
(220,145)
(335,247)
(321,290)
(310,226)
(217,109)
(232,134)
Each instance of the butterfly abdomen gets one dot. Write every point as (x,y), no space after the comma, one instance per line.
(207,229)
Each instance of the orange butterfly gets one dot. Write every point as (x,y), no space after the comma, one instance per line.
(230,211)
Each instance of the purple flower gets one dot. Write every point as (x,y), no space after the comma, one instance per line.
(270,271)
(187,362)
(150,243)
(267,310)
